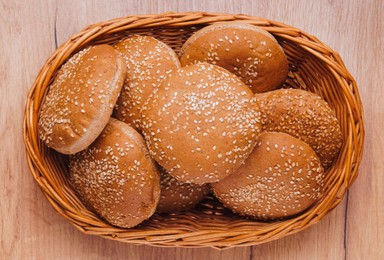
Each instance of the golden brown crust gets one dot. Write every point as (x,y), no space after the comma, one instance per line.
(201,123)
(179,196)
(303,115)
(282,177)
(248,51)
(148,61)
(116,177)
(81,99)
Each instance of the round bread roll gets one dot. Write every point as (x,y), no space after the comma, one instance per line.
(148,61)
(249,52)
(116,177)
(201,123)
(303,115)
(282,177)
(179,196)
(81,98)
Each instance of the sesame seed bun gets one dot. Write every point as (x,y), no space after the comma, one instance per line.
(81,98)
(201,123)
(303,115)
(116,177)
(179,196)
(282,177)
(148,61)
(248,51)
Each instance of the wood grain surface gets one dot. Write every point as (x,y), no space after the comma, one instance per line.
(31,30)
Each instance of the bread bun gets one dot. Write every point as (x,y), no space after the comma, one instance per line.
(201,123)
(81,98)
(303,115)
(148,61)
(179,196)
(116,177)
(248,51)
(282,177)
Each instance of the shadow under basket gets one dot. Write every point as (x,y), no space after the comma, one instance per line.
(313,67)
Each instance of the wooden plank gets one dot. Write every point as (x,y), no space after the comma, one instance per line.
(365,219)
(26,40)
(197,254)
(324,240)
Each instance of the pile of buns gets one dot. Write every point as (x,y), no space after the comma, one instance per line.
(149,131)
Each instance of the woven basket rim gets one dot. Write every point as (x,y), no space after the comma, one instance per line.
(60,196)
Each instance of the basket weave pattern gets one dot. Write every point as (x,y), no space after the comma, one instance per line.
(313,66)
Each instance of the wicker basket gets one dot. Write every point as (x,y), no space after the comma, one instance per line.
(313,66)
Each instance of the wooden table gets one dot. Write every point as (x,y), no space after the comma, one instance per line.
(31,30)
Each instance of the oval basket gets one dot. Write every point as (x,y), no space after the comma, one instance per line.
(313,66)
